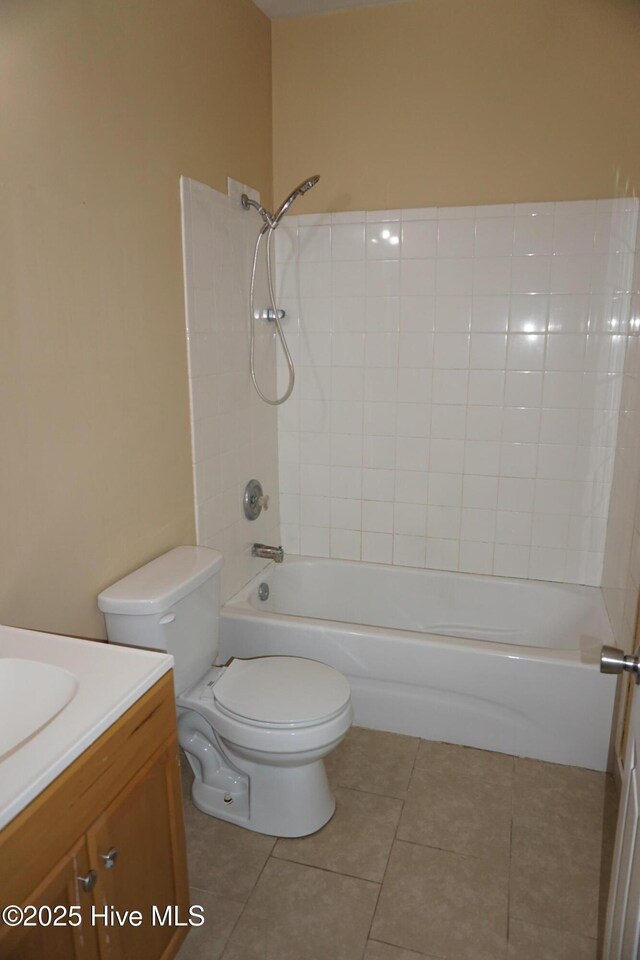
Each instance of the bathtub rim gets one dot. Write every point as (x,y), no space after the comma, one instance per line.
(239,607)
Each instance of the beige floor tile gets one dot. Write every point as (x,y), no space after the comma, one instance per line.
(301,913)
(356,841)
(223,858)
(471,817)
(373,761)
(570,797)
(383,951)
(612,800)
(208,941)
(186,776)
(441,904)
(528,942)
(555,880)
(450,759)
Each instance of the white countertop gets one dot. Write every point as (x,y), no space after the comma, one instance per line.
(111,679)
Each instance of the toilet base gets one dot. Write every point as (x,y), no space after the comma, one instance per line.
(282,801)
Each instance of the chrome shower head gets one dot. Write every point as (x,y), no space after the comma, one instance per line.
(298,192)
(271,220)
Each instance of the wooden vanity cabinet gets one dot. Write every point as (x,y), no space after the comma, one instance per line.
(59,888)
(107,835)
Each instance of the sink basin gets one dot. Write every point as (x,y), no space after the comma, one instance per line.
(57,696)
(31,695)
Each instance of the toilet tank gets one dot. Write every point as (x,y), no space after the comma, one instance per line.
(171,604)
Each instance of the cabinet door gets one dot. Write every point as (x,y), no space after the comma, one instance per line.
(137,848)
(59,891)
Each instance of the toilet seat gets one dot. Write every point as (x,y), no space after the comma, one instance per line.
(331,705)
(281,691)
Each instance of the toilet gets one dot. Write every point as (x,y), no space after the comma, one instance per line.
(255,731)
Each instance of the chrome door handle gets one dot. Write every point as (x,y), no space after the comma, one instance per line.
(614,660)
(109,858)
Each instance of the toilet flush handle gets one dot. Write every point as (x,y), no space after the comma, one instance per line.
(168,618)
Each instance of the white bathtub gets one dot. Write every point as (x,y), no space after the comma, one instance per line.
(507,665)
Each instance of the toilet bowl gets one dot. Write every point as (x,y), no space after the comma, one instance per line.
(255,731)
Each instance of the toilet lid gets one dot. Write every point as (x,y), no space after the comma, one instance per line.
(285,690)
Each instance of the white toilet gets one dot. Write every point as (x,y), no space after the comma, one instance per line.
(255,731)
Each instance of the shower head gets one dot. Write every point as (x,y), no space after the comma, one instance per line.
(298,192)
(271,220)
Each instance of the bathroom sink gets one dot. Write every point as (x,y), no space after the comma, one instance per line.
(57,696)
(31,695)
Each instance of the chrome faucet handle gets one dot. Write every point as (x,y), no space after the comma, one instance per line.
(254,500)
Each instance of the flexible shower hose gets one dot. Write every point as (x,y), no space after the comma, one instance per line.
(268,230)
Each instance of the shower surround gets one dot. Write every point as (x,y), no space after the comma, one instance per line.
(459,375)
(234,434)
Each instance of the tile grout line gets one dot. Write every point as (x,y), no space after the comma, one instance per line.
(246,902)
(510,862)
(395,838)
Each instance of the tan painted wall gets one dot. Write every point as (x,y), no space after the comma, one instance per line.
(458,102)
(103,104)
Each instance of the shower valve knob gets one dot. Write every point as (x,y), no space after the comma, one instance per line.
(254,500)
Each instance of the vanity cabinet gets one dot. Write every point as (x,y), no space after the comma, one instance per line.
(106,838)
(58,890)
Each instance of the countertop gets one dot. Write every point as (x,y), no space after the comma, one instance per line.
(111,678)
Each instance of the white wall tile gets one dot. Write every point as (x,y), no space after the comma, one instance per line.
(377,516)
(417,278)
(442,554)
(315,541)
(443,523)
(453,277)
(410,519)
(445,489)
(383,240)
(377,547)
(346,514)
(456,238)
(494,237)
(460,378)
(453,314)
(347,241)
(490,314)
(383,278)
(409,551)
(345,544)
(529,313)
(513,527)
(419,239)
(314,243)
(476,557)
(511,561)
(488,351)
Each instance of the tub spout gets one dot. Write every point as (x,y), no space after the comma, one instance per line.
(267,553)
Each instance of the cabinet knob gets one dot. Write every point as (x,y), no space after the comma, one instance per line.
(109,858)
(88,883)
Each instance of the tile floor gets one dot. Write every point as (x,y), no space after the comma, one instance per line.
(435,852)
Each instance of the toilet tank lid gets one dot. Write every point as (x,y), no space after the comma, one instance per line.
(162,582)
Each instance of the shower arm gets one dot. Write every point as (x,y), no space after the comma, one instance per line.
(270,222)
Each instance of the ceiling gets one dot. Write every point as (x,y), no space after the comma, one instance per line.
(301,8)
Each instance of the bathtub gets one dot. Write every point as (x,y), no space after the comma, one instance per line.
(488,662)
